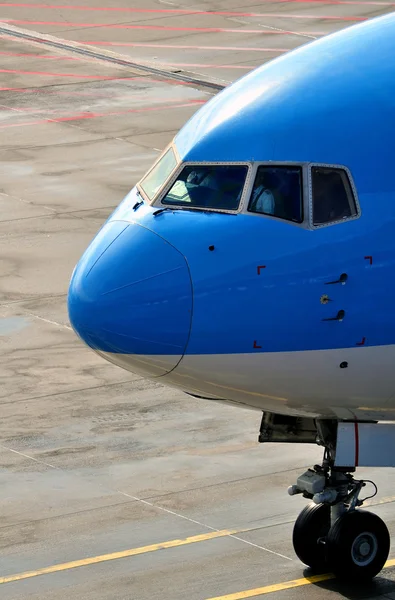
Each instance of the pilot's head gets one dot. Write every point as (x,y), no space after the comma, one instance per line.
(195,176)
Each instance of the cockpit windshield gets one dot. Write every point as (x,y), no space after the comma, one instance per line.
(155,179)
(208,186)
(278,191)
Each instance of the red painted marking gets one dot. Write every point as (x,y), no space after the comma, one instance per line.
(100,77)
(362,342)
(186,47)
(29,55)
(28,110)
(145,79)
(369,258)
(134,97)
(19,110)
(260,267)
(82,116)
(256,345)
(177,11)
(61,93)
(130,96)
(167,64)
(162,27)
(356,444)
(73,75)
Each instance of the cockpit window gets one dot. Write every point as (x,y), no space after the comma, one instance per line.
(277,191)
(208,186)
(333,198)
(155,179)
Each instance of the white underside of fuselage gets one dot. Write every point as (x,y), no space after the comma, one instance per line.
(308,383)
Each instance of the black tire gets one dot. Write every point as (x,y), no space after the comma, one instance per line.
(357,546)
(312,524)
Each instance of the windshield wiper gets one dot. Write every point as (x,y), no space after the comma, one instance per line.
(136,206)
(161,210)
(188,208)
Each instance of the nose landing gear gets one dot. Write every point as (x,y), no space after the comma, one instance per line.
(331,533)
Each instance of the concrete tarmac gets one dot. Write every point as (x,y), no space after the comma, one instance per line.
(112,486)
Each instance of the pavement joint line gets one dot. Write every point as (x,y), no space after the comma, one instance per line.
(201,524)
(97,54)
(72,391)
(55,213)
(167,12)
(285,585)
(153,506)
(278,29)
(41,462)
(146,502)
(93,560)
(250,593)
(8,303)
(231,481)
(85,116)
(50,322)
(168,511)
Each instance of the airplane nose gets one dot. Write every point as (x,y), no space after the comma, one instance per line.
(130,299)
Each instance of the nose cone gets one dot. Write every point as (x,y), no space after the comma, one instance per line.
(130,299)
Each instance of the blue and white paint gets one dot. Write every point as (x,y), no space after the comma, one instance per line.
(231,305)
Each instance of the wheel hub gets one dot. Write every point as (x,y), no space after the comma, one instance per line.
(364,549)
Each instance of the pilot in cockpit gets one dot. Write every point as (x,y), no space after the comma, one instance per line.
(208,186)
(196,177)
(263,195)
(205,177)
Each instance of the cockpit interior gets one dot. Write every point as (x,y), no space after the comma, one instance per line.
(304,194)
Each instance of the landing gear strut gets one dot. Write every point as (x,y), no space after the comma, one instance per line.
(331,533)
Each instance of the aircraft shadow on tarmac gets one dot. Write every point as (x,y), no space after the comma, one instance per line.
(381,585)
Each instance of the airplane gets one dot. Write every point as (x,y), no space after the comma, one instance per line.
(253,264)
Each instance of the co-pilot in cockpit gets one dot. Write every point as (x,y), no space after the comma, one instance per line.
(261,189)
(277,191)
(208,186)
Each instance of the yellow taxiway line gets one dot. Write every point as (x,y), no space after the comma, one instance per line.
(93,560)
(276,587)
(251,593)
(285,585)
